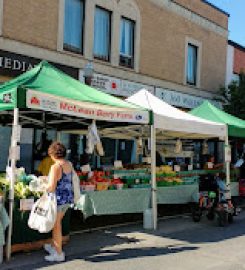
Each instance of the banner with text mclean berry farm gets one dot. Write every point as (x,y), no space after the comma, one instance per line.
(48,102)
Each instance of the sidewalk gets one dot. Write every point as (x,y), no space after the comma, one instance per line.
(130,247)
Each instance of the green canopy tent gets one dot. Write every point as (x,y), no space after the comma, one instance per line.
(46,97)
(47,88)
(236,126)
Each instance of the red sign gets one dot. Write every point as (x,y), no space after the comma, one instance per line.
(35,101)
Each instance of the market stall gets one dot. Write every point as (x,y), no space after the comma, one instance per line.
(235,126)
(170,123)
(45,97)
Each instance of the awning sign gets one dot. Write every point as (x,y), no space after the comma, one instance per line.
(47,102)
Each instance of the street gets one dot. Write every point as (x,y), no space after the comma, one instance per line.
(178,244)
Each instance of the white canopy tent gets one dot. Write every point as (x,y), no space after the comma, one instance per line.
(168,122)
(173,122)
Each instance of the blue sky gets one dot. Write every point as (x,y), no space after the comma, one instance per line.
(236,9)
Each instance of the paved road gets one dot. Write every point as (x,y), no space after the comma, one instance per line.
(179,244)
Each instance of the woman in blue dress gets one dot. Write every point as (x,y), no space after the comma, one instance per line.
(60,183)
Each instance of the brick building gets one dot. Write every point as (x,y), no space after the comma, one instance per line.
(174,48)
(235,61)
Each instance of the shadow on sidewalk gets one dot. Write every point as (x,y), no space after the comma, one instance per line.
(101,256)
(131,253)
(206,232)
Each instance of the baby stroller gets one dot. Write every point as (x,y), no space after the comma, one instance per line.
(214,200)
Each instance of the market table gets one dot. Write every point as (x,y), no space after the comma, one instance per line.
(177,194)
(110,202)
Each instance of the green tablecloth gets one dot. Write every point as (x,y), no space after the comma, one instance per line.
(4,222)
(177,194)
(112,202)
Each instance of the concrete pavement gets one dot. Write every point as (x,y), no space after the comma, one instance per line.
(178,244)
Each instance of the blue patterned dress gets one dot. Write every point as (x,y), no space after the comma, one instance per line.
(64,190)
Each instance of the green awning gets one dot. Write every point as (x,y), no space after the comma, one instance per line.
(236,126)
(50,88)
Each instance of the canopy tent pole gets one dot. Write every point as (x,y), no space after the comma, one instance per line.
(153,177)
(227,160)
(13,156)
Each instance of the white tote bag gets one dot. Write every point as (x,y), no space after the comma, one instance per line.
(76,186)
(43,214)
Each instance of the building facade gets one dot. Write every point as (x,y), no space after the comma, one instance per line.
(176,49)
(235,61)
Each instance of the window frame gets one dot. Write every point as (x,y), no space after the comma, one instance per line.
(68,47)
(133,47)
(109,35)
(198,44)
(194,82)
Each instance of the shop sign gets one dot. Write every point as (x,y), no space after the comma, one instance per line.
(12,64)
(115,86)
(181,100)
(129,88)
(61,105)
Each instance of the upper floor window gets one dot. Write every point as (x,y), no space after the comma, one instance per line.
(102,34)
(191,74)
(127,42)
(73,25)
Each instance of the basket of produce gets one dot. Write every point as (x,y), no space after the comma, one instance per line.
(116,183)
(177,181)
(102,186)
